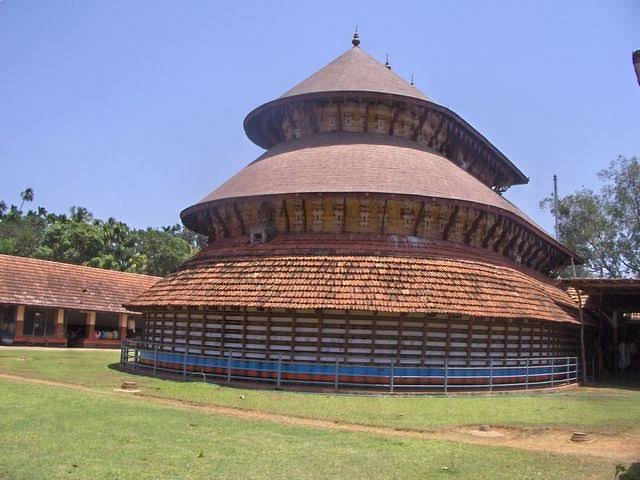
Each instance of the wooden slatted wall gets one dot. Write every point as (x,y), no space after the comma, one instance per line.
(321,336)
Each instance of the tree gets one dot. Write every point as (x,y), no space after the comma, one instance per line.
(21,234)
(27,196)
(80,214)
(159,252)
(604,227)
(82,239)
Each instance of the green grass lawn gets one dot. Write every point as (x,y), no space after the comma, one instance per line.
(607,410)
(49,432)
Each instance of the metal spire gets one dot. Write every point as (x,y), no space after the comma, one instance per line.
(412,84)
(356,38)
(555,205)
(387,64)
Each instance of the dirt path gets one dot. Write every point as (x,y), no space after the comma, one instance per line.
(619,447)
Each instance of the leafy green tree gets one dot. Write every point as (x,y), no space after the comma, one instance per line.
(72,241)
(21,234)
(604,227)
(160,251)
(82,239)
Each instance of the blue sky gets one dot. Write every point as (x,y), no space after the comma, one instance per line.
(134,109)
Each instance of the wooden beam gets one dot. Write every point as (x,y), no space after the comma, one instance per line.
(238,215)
(474,226)
(501,238)
(436,132)
(366,117)
(450,223)
(419,218)
(304,215)
(491,232)
(528,251)
(287,222)
(423,118)
(313,118)
(218,217)
(384,217)
(507,249)
(394,119)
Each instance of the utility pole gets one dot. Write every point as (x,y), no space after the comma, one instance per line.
(555,205)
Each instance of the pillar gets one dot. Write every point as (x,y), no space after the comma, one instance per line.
(614,339)
(60,323)
(91,326)
(20,321)
(122,325)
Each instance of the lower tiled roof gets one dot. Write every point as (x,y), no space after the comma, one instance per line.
(430,283)
(29,281)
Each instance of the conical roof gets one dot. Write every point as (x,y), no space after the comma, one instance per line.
(356,71)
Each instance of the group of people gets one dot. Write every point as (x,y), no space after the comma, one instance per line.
(107,334)
(79,331)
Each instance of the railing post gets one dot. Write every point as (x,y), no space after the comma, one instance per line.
(155,358)
(184,363)
(567,369)
(336,380)
(526,377)
(135,357)
(228,367)
(490,374)
(553,364)
(446,376)
(391,377)
(279,378)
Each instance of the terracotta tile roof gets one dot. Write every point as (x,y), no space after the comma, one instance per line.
(436,281)
(29,281)
(356,163)
(355,70)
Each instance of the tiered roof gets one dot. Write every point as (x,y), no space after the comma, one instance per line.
(355,163)
(355,271)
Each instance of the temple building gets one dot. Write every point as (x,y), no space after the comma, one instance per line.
(372,232)
(57,304)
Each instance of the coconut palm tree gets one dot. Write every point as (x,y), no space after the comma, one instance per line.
(3,208)
(80,214)
(26,196)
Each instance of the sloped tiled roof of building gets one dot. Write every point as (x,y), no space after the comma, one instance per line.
(29,281)
(362,163)
(355,71)
(431,280)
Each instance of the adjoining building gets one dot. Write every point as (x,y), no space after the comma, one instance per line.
(372,232)
(59,304)
(614,304)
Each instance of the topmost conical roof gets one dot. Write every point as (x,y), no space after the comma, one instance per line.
(355,71)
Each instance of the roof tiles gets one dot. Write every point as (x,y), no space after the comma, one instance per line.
(355,70)
(29,281)
(402,284)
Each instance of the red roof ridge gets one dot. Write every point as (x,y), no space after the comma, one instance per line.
(55,263)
